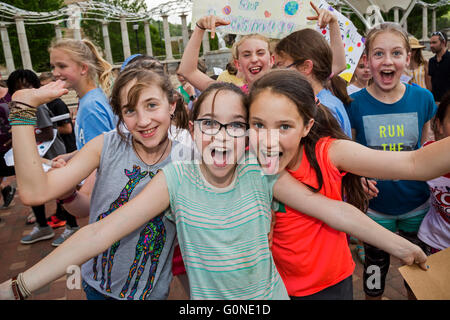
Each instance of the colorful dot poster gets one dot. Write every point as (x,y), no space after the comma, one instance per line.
(353,41)
(276,19)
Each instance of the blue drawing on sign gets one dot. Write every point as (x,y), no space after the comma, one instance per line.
(291,8)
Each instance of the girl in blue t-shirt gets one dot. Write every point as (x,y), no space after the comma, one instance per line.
(309,53)
(390,115)
(223,198)
(80,65)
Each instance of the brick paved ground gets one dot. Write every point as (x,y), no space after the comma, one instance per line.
(15,258)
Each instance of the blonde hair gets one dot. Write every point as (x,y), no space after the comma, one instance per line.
(386,27)
(235,47)
(85,52)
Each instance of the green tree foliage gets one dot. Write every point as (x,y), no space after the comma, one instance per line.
(39,36)
(414,19)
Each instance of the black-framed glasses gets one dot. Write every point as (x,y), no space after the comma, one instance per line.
(439,34)
(212,127)
(293,64)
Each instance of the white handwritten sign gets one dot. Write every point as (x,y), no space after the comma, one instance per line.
(353,41)
(273,19)
(277,19)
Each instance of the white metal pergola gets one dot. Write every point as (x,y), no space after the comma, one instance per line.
(369,11)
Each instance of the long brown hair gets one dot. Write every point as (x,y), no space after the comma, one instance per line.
(308,44)
(296,87)
(143,79)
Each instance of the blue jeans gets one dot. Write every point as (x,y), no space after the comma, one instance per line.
(92,294)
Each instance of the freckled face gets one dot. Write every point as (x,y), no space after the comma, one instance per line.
(387,59)
(254,59)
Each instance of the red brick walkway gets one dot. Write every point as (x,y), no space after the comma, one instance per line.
(16,258)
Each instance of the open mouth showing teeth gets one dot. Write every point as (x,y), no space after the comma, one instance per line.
(255,70)
(388,75)
(149,131)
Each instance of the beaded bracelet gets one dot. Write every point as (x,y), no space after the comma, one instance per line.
(22,116)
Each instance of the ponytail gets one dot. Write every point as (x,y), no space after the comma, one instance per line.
(85,52)
(338,87)
(180,116)
(103,68)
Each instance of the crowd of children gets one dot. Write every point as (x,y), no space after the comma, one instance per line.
(249,190)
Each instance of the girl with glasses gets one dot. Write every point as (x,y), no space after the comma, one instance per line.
(220,203)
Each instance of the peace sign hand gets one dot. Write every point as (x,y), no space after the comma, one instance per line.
(324,17)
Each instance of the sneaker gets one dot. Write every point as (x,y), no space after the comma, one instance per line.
(65,235)
(55,222)
(8,195)
(38,234)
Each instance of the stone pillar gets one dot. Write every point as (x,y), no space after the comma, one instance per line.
(167,40)
(105,33)
(58,31)
(205,42)
(184,30)
(77,30)
(23,43)
(424,23)
(7,48)
(433,20)
(396,15)
(125,40)
(148,39)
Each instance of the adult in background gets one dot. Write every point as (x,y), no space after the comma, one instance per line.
(439,65)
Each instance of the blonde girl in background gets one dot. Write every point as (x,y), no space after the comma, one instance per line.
(418,67)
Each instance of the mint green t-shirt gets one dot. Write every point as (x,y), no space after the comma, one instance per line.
(223,232)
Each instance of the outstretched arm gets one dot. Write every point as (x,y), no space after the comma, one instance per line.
(97,237)
(423,164)
(189,61)
(344,217)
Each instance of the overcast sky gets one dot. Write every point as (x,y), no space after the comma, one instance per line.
(154,3)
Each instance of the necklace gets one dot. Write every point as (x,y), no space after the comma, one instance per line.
(150,165)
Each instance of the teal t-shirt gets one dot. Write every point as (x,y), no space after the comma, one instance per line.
(393,127)
(223,232)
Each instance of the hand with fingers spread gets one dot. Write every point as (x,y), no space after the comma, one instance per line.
(210,23)
(324,17)
(37,97)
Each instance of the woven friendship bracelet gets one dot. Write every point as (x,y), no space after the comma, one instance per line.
(21,114)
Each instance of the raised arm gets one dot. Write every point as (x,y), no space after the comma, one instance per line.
(325,17)
(346,218)
(423,164)
(95,238)
(188,66)
(37,186)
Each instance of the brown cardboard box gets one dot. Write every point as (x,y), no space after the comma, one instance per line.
(433,284)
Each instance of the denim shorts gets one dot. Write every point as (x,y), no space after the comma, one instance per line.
(92,294)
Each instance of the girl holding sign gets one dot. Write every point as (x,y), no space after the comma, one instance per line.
(252,52)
